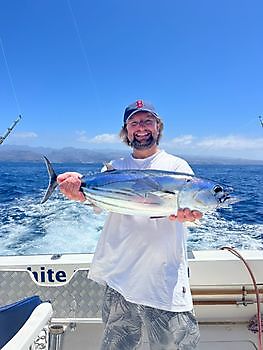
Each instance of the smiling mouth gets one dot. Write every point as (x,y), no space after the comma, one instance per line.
(142,135)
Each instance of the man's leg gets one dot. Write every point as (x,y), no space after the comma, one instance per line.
(122,322)
(171,330)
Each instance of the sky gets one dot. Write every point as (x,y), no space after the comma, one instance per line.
(70,67)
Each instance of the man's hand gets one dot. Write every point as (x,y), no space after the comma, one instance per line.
(69,184)
(186,215)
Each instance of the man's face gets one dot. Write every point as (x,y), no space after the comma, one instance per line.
(143,130)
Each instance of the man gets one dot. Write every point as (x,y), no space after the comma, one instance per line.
(143,261)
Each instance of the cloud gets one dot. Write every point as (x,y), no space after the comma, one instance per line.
(231,142)
(98,139)
(105,138)
(189,142)
(183,140)
(228,145)
(25,135)
(82,137)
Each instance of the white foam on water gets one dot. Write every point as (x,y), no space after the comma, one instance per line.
(215,232)
(63,226)
(76,228)
(58,226)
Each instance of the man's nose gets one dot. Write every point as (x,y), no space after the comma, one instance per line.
(141,123)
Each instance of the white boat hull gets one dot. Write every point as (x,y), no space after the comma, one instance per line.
(222,290)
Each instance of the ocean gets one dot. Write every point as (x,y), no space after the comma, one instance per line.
(64,226)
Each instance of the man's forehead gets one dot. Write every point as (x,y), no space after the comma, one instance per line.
(142,115)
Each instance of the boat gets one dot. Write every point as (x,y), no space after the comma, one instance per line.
(227,289)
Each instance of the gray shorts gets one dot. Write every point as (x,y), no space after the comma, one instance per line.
(166,330)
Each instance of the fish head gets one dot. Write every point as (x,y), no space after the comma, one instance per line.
(205,195)
(212,196)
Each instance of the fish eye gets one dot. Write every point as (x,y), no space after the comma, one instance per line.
(217,189)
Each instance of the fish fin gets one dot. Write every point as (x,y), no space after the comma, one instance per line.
(52,180)
(109,167)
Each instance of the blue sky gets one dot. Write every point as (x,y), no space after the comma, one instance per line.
(71,66)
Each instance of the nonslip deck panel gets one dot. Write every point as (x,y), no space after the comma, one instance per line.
(80,298)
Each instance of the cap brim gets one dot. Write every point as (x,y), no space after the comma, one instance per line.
(142,110)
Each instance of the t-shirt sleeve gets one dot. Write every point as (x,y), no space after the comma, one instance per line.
(184,167)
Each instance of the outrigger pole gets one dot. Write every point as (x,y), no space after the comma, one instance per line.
(8,131)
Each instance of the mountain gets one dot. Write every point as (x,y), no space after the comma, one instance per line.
(10,153)
(64,155)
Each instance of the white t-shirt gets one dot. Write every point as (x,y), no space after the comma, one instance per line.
(145,259)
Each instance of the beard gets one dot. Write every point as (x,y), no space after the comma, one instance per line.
(148,143)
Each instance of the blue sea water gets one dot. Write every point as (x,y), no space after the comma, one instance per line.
(63,226)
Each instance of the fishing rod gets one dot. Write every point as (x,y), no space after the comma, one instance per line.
(9,130)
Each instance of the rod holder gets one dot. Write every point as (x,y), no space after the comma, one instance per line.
(56,337)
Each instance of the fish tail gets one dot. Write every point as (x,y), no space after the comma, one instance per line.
(52,180)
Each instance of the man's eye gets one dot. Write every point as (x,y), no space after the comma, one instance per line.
(148,122)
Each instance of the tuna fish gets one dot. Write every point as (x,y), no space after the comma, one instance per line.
(153,193)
